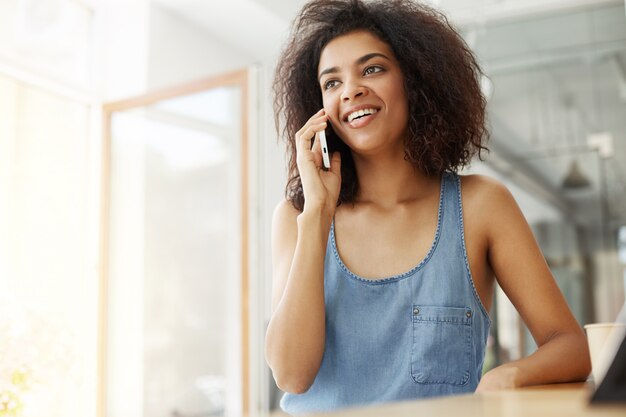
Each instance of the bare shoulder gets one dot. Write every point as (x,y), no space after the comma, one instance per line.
(475,183)
(484,192)
(284,239)
(284,225)
(489,204)
(284,232)
(285,213)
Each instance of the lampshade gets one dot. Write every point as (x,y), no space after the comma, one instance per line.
(575,178)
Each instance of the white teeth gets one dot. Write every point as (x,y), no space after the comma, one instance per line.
(358,113)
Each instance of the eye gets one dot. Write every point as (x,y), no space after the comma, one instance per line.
(372,70)
(329,84)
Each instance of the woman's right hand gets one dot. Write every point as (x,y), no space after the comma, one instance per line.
(321,187)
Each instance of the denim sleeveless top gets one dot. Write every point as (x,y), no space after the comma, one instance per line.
(415,335)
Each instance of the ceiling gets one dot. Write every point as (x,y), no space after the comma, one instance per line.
(262,23)
(557,71)
(558,79)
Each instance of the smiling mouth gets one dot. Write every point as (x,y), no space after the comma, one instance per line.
(361,121)
(360,113)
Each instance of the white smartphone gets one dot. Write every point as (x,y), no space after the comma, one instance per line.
(324,146)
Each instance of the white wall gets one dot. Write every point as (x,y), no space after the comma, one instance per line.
(181,51)
(121,45)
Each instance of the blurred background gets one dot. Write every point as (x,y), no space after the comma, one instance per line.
(139,169)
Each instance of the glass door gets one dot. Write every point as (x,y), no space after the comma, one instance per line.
(175,277)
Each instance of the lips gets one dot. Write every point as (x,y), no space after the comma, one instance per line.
(356,116)
(362,121)
(356,109)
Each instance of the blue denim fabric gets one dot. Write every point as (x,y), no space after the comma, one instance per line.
(415,335)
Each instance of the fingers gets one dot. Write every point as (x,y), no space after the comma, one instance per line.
(316,150)
(317,146)
(306,134)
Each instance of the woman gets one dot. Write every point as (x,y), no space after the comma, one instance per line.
(384,270)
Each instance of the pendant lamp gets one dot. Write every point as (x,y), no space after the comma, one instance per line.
(575,178)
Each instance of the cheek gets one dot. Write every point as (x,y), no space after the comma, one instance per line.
(331,109)
(400,115)
(402,102)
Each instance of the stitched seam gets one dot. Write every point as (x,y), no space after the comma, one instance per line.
(448,320)
(415,374)
(404,275)
(465,259)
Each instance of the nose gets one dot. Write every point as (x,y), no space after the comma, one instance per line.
(352,90)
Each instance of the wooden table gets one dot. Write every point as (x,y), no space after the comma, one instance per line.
(557,400)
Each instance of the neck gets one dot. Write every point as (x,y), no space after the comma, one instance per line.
(388,180)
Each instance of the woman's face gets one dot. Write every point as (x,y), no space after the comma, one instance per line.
(358,71)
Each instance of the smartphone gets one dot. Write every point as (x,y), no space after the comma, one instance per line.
(324,146)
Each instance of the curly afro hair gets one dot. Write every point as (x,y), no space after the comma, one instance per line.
(441,78)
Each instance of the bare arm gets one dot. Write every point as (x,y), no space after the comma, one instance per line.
(296,332)
(521,271)
(295,338)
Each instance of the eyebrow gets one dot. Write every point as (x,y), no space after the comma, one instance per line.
(359,61)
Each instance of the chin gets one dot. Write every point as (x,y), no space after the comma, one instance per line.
(366,143)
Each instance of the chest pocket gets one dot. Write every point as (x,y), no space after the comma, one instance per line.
(442,345)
